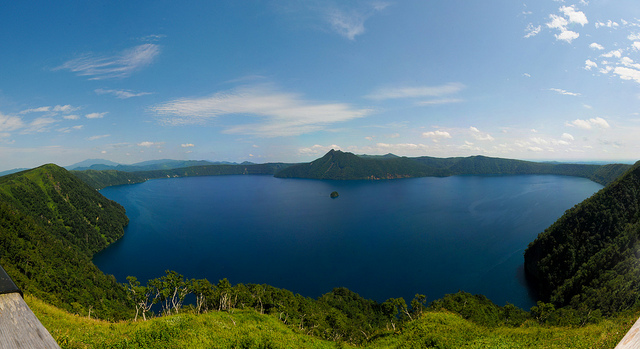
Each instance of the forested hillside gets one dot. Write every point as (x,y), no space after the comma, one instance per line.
(343,165)
(51,224)
(590,257)
(99,179)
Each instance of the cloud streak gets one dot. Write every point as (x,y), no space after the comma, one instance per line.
(280,113)
(122,94)
(108,67)
(416,91)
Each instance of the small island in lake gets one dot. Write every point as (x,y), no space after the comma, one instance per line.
(334,194)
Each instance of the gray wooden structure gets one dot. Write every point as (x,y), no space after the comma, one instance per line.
(19,327)
(632,338)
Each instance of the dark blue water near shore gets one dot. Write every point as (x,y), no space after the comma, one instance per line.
(381,239)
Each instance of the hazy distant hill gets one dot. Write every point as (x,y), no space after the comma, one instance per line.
(342,165)
(590,257)
(146,165)
(92,162)
(15,170)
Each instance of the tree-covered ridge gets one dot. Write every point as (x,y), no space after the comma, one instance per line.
(51,224)
(99,179)
(343,165)
(590,256)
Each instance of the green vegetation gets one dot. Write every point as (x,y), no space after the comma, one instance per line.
(588,259)
(249,329)
(51,224)
(334,194)
(341,165)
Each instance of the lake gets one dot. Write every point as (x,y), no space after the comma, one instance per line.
(381,239)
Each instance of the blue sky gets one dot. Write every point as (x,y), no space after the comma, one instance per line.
(266,81)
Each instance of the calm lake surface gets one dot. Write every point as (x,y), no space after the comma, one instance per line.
(381,239)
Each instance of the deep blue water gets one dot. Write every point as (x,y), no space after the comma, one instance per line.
(381,239)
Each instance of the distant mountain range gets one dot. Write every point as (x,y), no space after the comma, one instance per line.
(151,165)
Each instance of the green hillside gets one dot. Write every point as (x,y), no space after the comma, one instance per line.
(590,256)
(51,224)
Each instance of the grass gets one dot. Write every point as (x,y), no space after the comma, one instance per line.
(248,329)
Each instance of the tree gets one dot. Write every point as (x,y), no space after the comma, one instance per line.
(141,296)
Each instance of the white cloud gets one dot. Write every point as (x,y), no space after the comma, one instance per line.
(561,23)
(95,115)
(282,114)
(526,75)
(636,45)
(65,108)
(589,64)
(187,145)
(627,73)
(532,30)
(122,94)
(567,35)
(567,136)
(607,24)
(436,135)
(574,16)
(480,136)
(564,92)
(148,144)
(71,117)
(535,149)
(69,129)
(416,92)
(596,46)
(118,66)
(589,124)
(614,53)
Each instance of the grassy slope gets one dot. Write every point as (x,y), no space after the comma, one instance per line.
(248,329)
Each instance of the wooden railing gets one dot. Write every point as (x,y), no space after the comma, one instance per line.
(632,338)
(19,327)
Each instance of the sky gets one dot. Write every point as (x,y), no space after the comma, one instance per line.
(287,80)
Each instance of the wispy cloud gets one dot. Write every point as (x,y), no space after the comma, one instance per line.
(349,23)
(10,123)
(416,91)
(52,110)
(117,66)
(122,94)
(532,30)
(93,138)
(564,92)
(187,145)
(281,113)
(41,124)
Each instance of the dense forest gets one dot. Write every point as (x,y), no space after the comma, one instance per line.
(590,256)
